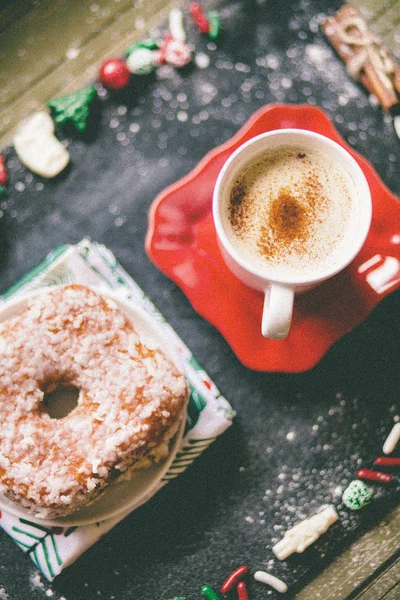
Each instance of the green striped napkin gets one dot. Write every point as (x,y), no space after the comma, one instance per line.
(209,414)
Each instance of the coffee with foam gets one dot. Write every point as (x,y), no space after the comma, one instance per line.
(291,210)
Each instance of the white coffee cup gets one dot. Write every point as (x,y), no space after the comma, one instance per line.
(279,290)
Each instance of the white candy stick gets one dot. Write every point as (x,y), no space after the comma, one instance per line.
(302,535)
(176,28)
(277,584)
(38,148)
(392,439)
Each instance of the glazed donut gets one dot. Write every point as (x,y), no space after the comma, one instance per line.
(131,400)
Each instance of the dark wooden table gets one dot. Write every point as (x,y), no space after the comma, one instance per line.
(253,483)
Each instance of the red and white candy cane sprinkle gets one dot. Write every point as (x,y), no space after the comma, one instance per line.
(199,17)
(268,579)
(177,54)
(385,461)
(242,591)
(392,439)
(233,578)
(371,475)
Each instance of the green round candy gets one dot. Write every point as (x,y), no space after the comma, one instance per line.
(141,61)
(357,495)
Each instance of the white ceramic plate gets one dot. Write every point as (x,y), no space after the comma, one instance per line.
(127,495)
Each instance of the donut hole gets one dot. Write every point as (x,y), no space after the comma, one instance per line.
(60,399)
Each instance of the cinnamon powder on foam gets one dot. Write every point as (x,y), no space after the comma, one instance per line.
(291,217)
(293,213)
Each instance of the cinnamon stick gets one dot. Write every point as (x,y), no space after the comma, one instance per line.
(365,56)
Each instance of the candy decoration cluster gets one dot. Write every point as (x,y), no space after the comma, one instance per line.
(358,494)
(208,23)
(236,580)
(144,57)
(35,142)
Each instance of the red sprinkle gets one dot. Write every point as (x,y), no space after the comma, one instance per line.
(233,578)
(385,461)
(163,48)
(374,475)
(242,591)
(3,170)
(199,17)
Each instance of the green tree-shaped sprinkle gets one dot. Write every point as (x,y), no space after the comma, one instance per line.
(73,107)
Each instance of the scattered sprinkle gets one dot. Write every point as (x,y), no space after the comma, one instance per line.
(233,578)
(268,579)
(199,17)
(242,591)
(371,475)
(387,462)
(392,439)
(209,593)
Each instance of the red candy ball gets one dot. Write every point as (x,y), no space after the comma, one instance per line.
(114,74)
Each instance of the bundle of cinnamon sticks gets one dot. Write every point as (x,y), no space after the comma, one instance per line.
(365,56)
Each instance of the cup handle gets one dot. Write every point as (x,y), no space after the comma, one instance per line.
(277,312)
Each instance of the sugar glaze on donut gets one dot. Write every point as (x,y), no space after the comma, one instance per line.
(132,399)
